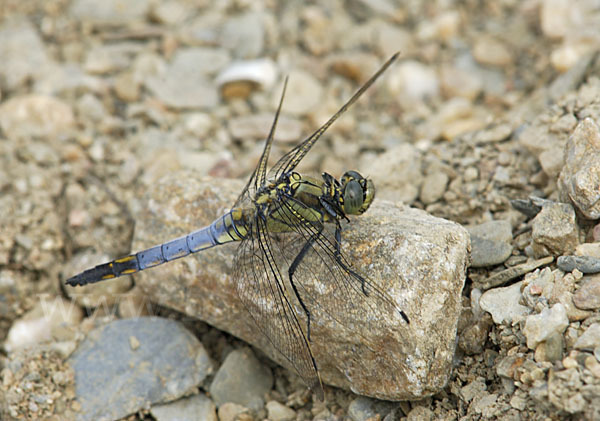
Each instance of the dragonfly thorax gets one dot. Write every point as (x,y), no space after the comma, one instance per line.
(274,190)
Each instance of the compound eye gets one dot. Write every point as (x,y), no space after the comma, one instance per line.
(353,197)
(349,176)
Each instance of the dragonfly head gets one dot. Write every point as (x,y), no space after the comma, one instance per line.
(358,193)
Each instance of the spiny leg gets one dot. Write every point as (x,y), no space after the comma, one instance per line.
(338,259)
(307,246)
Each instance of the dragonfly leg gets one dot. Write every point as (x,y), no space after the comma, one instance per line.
(307,246)
(338,258)
(363,282)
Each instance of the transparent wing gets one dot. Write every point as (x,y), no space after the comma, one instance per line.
(325,279)
(263,292)
(258,177)
(291,159)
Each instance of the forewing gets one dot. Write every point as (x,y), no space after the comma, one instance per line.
(329,285)
(261,289)
(291,159)
(258,177)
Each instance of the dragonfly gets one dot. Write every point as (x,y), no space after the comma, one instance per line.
(289,230)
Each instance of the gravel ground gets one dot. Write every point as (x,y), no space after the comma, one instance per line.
(489,119)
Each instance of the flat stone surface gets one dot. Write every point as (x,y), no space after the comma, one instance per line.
(115,378)
(418,259)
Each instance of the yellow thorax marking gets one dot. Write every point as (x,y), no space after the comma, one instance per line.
(263,198)
(236,214)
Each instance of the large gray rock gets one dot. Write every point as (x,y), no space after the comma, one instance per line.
(124,366)
(579,179)
(418,259)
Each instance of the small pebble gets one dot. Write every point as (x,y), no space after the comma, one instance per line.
(184,85)
(587,297)
(553,19)
(35,116)
(433,187)
(244,34)
(413,80)
(492,52)
(555,230)
(258,127)
(459,82)
(230,411)
(170,12)
(569,362)
(539,327)
(363,408)
(420,413)
(490,243)
(302,95)
(589,249)
(590,339)
(551,349)
(40,323)
(195,407)
(592,364)
(470,174)
(585,264)
(279,412)
(504,304)
(112,12)
(518,402)
(127,88)
(24,54)
(241,379)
